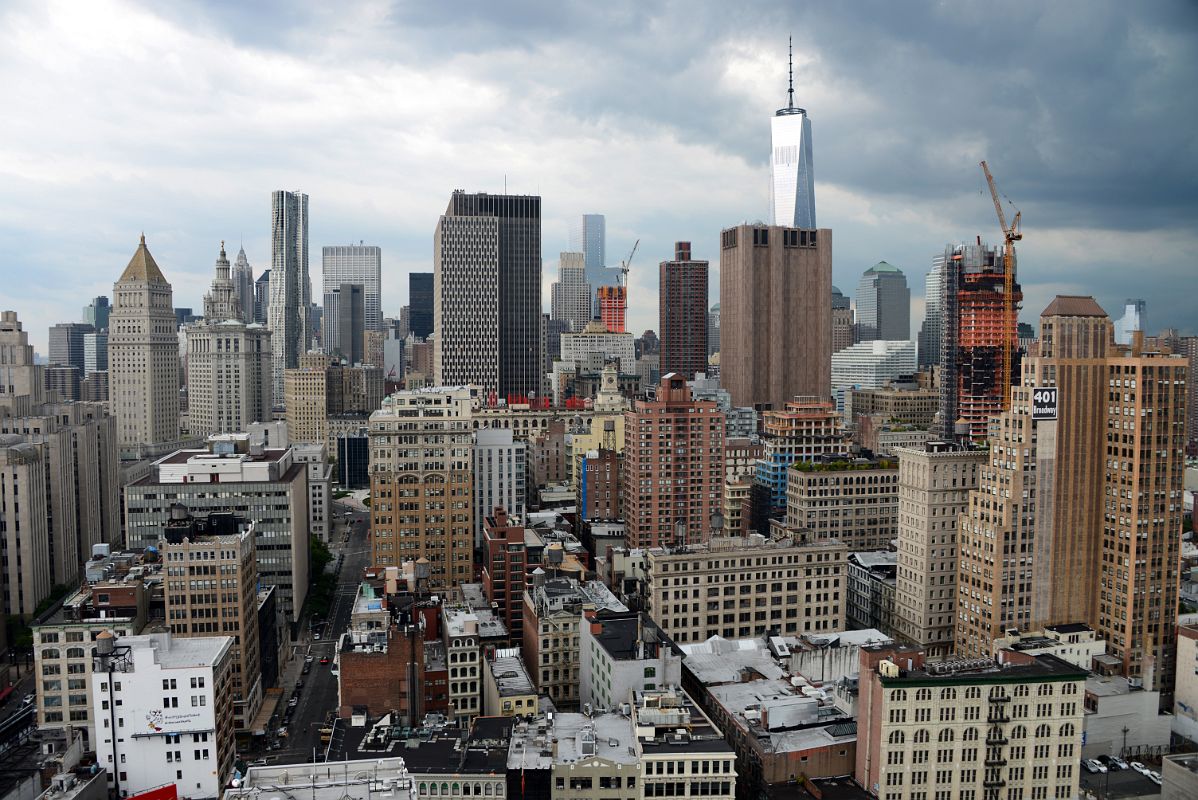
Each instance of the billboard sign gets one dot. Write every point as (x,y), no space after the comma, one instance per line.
(1044,402)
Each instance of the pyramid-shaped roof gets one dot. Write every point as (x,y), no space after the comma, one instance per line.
(883,266)
(142,266)
(1072,305)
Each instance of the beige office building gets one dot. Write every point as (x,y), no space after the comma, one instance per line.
(211,589)
(739,587)
(229,363)
(143,357)
(421,482)
(852,500)
(775,314)
(321,388)
(25,537)
(933,491)
(1078,509)
(986,729)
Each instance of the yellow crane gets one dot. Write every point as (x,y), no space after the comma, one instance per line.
(1011,234)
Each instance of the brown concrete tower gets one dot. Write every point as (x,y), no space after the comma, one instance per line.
(775,314)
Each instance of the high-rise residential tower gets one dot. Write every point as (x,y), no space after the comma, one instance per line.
(883,304)
(420,304)
(775,317)
(229,373)
(713,330)
(290,286)
(143,356)
(588,235)
(792,177)
(571,300)
(930,331)
(487,293)
(972,334)
(243,286)
(361,264)
(670,499)
(682,313)
(612,305)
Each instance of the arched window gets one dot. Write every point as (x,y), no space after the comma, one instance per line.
(898,696)
(75,652)
(971,735)
(423,787)
(923,695)
(922,736)
(973,693)
(897,737)
(1019,732)
(1021,690)
(50,653)
(457,789)
(948,694)
(487,789)
(946,735)
(1067,729)
(1045,690)
(445,788)
(998,691)
(432,789)
(1043,732)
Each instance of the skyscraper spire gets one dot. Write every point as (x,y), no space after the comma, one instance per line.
(790,65)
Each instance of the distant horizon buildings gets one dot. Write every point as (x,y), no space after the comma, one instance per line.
(931,329)
(1134,319)
(290,285)
(420,304)
(883,304)
(571,294)
(588,235)
(792,174)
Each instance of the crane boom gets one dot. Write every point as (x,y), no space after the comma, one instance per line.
(1011,235)
(626,262)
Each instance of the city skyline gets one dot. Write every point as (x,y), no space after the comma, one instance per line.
(898,195)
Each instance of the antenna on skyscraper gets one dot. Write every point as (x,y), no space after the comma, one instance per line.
(790,66)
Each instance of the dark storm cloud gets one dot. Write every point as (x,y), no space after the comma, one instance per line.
(655,113)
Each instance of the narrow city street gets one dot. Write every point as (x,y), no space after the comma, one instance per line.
(318,697)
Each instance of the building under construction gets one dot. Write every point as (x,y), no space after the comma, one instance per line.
(613,305)
(975,328)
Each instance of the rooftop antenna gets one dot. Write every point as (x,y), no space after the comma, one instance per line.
(790,66)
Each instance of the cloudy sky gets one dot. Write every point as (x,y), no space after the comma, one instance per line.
(118,117)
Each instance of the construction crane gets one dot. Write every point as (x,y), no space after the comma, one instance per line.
(1011,234)
(624,264)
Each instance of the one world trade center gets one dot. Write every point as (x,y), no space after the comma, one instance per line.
(792,180)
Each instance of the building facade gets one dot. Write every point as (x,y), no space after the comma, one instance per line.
(487,294)
(933,491)
(421,482)
(360,264)
(883,304)
(143,353)
(177,695)
(852,500)
(290,285)
(229,372)
(571,301)
(1010,727)
(792,172)
(775,318)
(588,235)
(682,313)
(500,471)
(673,466)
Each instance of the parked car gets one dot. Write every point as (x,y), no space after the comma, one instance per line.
(299,685)
(324,660)
(28,699)
(293,702)
(1140,768)
(1094,766)
(282,731)
(1154,776)
(307,668)
(1118,762)
(1110,763)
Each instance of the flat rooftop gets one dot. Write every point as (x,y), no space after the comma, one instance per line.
(511,676)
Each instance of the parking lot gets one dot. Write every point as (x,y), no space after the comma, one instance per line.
(1119,784)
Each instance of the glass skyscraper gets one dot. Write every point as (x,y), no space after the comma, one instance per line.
(792,178)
